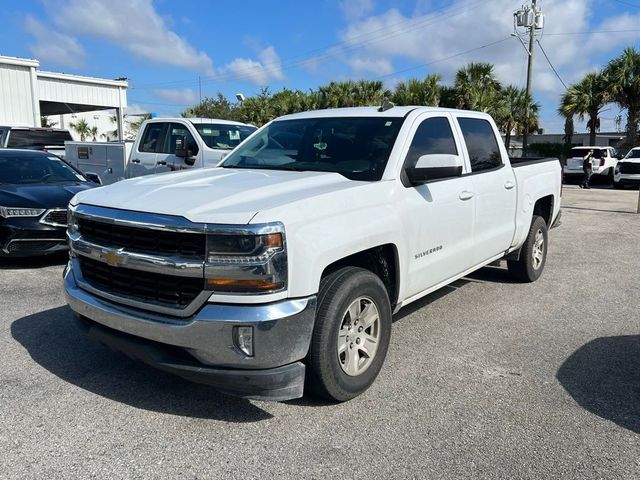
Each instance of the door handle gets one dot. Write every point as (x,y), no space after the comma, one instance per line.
(135,160)
(509,184)
(465,195)
(161,162)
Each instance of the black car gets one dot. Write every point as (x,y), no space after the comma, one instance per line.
(35,189)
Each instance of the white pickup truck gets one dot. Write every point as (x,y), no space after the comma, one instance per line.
(282,268)
(163,144)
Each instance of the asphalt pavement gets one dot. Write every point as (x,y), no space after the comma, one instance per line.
(484,379)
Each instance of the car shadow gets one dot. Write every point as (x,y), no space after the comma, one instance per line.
(603,377)
(56,343)
(491,274)
(24,263)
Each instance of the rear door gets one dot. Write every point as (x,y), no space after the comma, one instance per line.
(440,212)
(143,158)
(166,160)
(493,187)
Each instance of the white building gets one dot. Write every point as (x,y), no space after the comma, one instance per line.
(27,94)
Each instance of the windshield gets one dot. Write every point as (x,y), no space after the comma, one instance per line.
(36,138)
(355,147)
(33,167)
(224,137)
(581,152)
(635,153)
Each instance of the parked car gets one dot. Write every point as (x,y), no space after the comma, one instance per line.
(627,170)
(604,162)
(46,139)
(163,144)
(288,261)
(35,189)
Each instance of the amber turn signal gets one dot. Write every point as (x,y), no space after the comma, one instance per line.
(242,286)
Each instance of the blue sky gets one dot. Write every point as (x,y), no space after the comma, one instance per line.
(163,46)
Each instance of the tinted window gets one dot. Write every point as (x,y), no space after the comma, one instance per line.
(225,137)
(635,153)
(35,167)
(434,135)
(36,138)
(581,152)
(153,137)
(356,147)
(176,131)
(482,146)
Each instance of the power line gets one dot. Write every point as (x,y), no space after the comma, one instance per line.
(551,65)
(592,32)
(446,58)
(622,2)
(331,50)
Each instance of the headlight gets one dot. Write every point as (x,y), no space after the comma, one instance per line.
(9,212)
(246,262)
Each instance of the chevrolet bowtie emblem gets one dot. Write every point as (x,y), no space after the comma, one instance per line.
(113,258)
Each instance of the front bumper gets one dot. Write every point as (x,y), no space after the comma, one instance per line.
(201,348)
(627,178)
(22,237)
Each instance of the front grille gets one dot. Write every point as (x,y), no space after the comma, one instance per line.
(30,246)
(56,217)
(158,242)
(166,290)
(629,168)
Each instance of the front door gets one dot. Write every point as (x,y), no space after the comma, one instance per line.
(166,159)
(440,212)
(493,187)
(143,158)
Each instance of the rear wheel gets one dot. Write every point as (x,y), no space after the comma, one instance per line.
(533,254)
(610,178)
(351,335)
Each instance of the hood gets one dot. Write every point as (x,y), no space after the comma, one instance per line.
(215,195)
(51,195)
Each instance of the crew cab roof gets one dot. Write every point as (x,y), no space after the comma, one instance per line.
(368,112)
(196,121)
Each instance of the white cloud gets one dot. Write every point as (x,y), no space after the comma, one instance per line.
(267,67)
(355,9)
(134,109)
(180,96)
(131,24)
(54,47)
(374,43)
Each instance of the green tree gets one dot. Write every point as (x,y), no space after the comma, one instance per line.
(82,128)
(586,98)
(419,92)
(477,87)
(93,131)
(216,107)
(46,122)
(509,111)
(134,126)
(623,80)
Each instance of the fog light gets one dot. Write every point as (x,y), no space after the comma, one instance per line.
(243,339)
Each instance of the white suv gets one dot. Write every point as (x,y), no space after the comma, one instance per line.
(627,171)
(604,162)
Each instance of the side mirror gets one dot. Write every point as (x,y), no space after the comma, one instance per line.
(434,167)
(183,151)
(93,177)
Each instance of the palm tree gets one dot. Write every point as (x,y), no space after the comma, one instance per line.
(93,131)
(623,80)
(587,97)
(46,122)
(135,125)
(510,111)
(419,92)
(477,87)
(82,128)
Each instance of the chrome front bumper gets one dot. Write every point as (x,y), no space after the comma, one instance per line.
(282,331)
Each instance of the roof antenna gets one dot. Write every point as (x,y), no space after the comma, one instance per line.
(386,105)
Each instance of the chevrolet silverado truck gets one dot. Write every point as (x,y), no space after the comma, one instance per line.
(281,268)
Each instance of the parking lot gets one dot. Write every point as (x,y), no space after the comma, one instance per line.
(484,379)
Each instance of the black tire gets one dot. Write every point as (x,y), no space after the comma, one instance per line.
(610,178)
(338,290)
(524,269)
(618,185)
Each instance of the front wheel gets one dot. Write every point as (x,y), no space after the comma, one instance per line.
(533,254)
(351,335)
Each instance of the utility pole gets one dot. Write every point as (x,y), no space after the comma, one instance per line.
(531,19)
